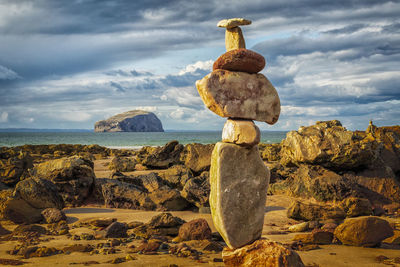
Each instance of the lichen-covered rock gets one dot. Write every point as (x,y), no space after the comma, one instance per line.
(197,190)
(176,176)
(239,181)
(263,253)
(15,167)
(309,181)
(74,177)
(117,194)
(53,215)
(240,95)
(161,157)
(270,152)
(130,121)
(365,231)
(356,207)
(122,164)
(241,132)
(39,193)
(168,199)
(197,157)
(240,60)
(312,212)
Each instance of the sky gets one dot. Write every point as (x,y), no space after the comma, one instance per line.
(68,64)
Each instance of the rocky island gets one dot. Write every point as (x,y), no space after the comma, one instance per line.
(130,121)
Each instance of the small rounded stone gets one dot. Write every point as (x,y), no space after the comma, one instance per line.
(241,132)
(240,60)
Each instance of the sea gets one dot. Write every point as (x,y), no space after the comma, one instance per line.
(125,140)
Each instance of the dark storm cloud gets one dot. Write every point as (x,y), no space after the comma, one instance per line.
(325,55)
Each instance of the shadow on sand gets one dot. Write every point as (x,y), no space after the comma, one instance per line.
(87,210)
(273,208)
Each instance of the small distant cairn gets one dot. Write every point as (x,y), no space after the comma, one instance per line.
(239,179)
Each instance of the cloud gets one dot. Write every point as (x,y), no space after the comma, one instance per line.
(8,74)
(68,64)
(3,117)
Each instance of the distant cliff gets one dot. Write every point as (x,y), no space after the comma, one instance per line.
(130,121)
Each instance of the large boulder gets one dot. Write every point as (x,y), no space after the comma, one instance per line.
(30,197)
(197,157)
(39,193)
(263,253)
(130,121)
(74,177)
(329,144)
(365,231)
(240,95)
(168,199)
(239,182)
(161,157)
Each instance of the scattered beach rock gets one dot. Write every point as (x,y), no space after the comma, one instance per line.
(163,224)
(168,199)
(197,229)
(130,121)
(176,176)
(262,253)
(53,215)
(240,95)
(356,207)
(4,231)
(116,230)
(365,231)
(240,60)
(300,227)
(122,164)
(19,211)
(240,170)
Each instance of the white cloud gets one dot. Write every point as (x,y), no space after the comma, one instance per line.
(4,117)
(199,65)
(8,74)
(74,116)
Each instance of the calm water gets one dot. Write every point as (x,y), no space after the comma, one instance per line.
(120,140)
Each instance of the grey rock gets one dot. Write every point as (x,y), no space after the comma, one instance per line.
(130,121)
(239,181)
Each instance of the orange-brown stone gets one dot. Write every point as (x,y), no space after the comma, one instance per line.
(240,60)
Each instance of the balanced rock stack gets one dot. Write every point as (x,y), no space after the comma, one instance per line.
(238,176)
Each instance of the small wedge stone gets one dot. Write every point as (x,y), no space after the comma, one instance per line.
(234,22)
(234,39)
(241,132)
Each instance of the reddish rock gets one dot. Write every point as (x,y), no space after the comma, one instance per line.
(240,60)
(262,253)
(197,229)
(322,237)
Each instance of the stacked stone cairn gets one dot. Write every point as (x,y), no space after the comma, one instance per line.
(239,178)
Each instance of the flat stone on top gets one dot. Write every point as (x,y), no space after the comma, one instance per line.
(234,22)
(240,95)
(239,182)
